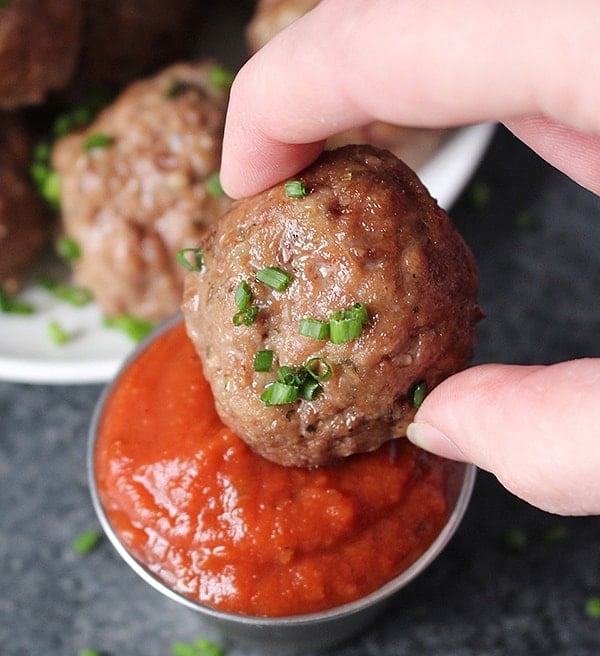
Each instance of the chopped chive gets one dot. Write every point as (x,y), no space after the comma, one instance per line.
(274,278)
(310,389)
(213,185)
(314,328)
(418,393)
(292,375)
(49,188)
(58,334)
(344,327)
(221,77)
(87,541)
(11,305)
(77,296)
(135,328)
(89,652)
(191,258)
(279,393)
(243,295)
(42,152)
(319,369)
(360,312)
(199,647)
(263,360)
(294,189)
(176,88)
(245,317)
(592,607)
(68,248)
(98,140)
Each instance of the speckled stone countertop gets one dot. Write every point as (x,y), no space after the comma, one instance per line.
(486,594)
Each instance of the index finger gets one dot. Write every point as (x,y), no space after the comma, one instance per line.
(433,63)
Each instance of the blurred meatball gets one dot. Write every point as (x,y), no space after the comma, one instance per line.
(125,39)
(137,186)
(272,16)
(367,232)
(39,44)
(23,224)
(413,145)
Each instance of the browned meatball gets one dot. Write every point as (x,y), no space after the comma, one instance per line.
(124,39)
(39,44)
(145,191)
(367,232)
(413,145)
(23,225)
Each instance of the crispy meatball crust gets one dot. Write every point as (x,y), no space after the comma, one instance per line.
(39,44)
(23,224)
(134,203)
(366,232)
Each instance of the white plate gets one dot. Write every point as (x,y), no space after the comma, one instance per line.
(28,355)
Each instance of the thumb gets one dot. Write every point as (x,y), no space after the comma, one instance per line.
(537,428)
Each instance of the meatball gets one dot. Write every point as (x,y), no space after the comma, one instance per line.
(366,242)
(137,185)
(23,224)
(413,145)
(272,16)
(39,44)
(124,39)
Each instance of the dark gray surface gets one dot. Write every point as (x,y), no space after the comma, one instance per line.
(540,291)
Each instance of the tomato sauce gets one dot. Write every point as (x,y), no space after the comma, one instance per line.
(229,529)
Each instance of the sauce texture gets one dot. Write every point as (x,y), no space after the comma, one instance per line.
(225,527)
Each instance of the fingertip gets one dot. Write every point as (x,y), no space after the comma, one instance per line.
(534,427)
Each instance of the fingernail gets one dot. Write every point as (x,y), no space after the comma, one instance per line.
(431,439)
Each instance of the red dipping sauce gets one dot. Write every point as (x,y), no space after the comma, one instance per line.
(231,530)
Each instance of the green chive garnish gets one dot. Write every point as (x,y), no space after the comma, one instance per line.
(77,296)
(213,185)
(418,393)
(245,317)
(263,360)
(274,278)
(87,541)
(294,189)
(310,389)
(199,647)
(58,334)
(221,77)
(279,394)
(314,328)
(89,652)
(68,248)
(592,607)
(135,328)
(49,188)
(191,258)
(344,326)
(319,369)
(11,305)
(243,295)
(98,140)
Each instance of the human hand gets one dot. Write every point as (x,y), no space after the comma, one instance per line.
(438,63)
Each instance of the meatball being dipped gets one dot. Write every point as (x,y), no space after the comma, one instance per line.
(349,290)
(140,183)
